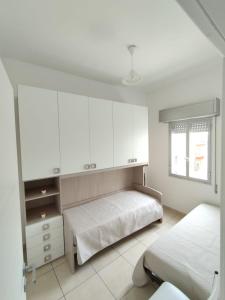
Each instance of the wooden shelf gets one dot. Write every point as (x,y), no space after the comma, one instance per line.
(36,193)
(34,214)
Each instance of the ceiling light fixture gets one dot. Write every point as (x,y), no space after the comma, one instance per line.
(133,77)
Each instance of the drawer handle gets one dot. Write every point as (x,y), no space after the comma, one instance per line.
(45,226)
(93,166)
(48,258)
(47,247)
(46,236)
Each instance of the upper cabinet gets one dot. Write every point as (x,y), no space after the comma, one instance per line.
(39,132)
(130,134)
(140,127)
(74,133)
(101,133)
(86,133)
(63,133)
(123,133)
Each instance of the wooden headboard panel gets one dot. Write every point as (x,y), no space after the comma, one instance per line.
(75,190)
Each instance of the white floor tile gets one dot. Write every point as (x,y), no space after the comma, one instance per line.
(40,271)
(172,216)
(150,239)
(46,288)
(133,254)
(103,258)
(118,277)
(69,281)
(115,271)
(93,288)
(146,232)
(175,218)
(142,293)
(58,261)
(125,244)
(164,228)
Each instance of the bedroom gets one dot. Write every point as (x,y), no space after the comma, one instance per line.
(111,121)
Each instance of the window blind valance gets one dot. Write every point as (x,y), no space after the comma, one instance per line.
(204,109)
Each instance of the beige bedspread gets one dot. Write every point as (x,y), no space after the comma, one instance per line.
(102,222)
(187,255)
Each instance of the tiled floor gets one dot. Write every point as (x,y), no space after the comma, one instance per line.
(106,276)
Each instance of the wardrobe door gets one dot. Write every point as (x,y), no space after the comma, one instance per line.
(123,133)
(39,132)
(141,149)
(101,133)
(74,133)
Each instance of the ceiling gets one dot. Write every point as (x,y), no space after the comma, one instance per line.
(89,37)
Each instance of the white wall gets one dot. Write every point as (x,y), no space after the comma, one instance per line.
(181,194)
(29,74)
(222,226)
(11,256)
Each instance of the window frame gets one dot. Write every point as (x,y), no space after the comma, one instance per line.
(209,171)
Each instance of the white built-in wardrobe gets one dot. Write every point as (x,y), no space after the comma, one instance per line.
(63,133)
(67,134)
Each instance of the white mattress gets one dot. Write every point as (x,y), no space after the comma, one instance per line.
(102,222)
(187,255)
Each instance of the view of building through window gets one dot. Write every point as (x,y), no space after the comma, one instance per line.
(190,148)
(198,155)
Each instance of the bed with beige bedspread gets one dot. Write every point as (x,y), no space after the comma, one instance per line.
(187,255)
(93,226)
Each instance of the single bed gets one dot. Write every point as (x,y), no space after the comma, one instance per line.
(187,255)
(93,226)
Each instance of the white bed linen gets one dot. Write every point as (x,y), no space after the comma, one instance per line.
(187,255)
(102,222)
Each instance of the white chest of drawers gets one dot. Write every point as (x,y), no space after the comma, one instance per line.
(44,241)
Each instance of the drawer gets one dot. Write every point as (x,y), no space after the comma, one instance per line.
(45,248)
(43,226)
(46,258)
(43,238)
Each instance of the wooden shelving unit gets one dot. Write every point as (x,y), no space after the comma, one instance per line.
(33,214)
(42,199)
(37,193)
(44,222)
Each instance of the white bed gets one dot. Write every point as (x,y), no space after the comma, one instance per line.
(187,255)
(95,225)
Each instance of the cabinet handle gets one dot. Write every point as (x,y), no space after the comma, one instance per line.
(48,258)
(93,166)
(45,226)
(47,247)
(56,170)
(87,167)
(135,160)
(46,236)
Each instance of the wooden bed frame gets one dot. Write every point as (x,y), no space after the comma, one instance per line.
(78,190)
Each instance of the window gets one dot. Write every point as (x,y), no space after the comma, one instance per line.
(190,148)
